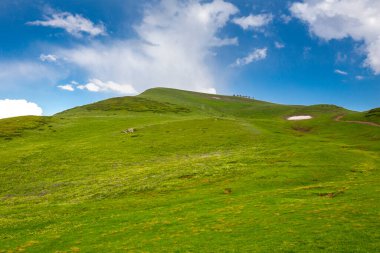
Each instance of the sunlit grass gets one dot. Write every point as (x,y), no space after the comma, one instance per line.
(218,175)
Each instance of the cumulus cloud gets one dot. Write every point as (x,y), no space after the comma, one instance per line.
(96,85)
(256,55)
(174,48)
(74,24)
(67,87)
(341,72)
(13,108)
(48,57)
(253,21)
(333,19)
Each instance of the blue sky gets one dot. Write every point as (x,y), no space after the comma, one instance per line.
(55,55)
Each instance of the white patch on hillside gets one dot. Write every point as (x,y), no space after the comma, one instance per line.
(302,117)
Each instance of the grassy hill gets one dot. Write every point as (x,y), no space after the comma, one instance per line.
(199,173)
(369,116)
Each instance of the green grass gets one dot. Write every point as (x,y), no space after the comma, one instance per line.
(369,116)
(132,104)
(12,127)
(201,173)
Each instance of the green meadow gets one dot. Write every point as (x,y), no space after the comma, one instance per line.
(195,173)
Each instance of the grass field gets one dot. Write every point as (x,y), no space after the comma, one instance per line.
(199,173)
(371,116)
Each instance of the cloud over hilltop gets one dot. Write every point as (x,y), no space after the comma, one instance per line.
(174,48)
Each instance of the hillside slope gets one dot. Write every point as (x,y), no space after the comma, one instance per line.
(368,116)
(195,173)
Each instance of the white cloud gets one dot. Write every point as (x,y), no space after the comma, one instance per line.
(256,55)
(67,87)
(253,21)
(279,45)
(96,85)
(12,108)
(360,78)
(209,91)
(341,72)
(333,19)
(74,24)
(174,49)
(48,57)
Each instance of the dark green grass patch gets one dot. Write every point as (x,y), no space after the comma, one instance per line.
(132,104)
(13,127)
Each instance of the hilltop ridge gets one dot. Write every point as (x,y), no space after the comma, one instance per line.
(174,100)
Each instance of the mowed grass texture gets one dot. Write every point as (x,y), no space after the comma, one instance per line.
(199,173)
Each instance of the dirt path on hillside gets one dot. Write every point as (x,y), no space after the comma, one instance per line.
(339,119)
